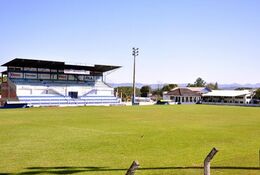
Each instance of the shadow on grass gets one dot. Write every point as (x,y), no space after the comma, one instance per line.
(74,169)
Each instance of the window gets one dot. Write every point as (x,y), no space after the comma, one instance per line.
(71,77)
(43,70)
(89,78)
(80,77)
(73,94)
(15,68)
(30,69)
(44,76)
(54,76)
(53,70)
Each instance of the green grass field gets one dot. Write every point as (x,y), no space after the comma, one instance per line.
(166,140)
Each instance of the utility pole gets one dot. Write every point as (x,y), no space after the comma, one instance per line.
(135,53)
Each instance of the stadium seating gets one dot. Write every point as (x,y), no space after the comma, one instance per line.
(52,95)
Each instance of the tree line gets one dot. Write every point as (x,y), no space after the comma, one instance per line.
(126,92)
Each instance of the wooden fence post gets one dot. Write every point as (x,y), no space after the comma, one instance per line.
(259,157)
(132,168)
(207,161)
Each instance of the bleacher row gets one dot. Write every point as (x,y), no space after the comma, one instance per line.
(68,101)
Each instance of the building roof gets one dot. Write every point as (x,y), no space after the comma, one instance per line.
(199,89)
(227,93)
(21,62)
(178,91)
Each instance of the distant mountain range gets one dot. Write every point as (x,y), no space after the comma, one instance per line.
(221,86)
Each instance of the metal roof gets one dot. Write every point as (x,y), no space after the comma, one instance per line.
(21,62)
(200,89)
(179,91)
(227,93)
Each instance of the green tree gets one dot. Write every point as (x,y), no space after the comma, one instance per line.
(212,86)
(190,85)
(145,91)
(157,94)
(198,83)
(173,86)
(216,86)
(257,94)
(243,88)
(126,92)
(168,87)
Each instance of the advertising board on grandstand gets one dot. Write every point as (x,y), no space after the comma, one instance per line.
(15,75)
(30,75)
(44,76)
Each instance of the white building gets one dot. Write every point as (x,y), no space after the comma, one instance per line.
(182,95)
(228,97)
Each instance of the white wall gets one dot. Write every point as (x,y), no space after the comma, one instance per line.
(38,90)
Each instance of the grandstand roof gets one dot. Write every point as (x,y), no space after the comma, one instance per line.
(21,62)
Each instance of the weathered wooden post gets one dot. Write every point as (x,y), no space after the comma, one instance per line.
(259,157)
(132,168)
(207,161)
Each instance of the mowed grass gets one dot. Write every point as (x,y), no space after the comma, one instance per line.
(166,140)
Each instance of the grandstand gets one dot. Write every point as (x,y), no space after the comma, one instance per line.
(54,83)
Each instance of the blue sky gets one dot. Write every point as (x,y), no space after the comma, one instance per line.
(179,40)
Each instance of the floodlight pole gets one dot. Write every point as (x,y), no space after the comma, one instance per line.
(134,53)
